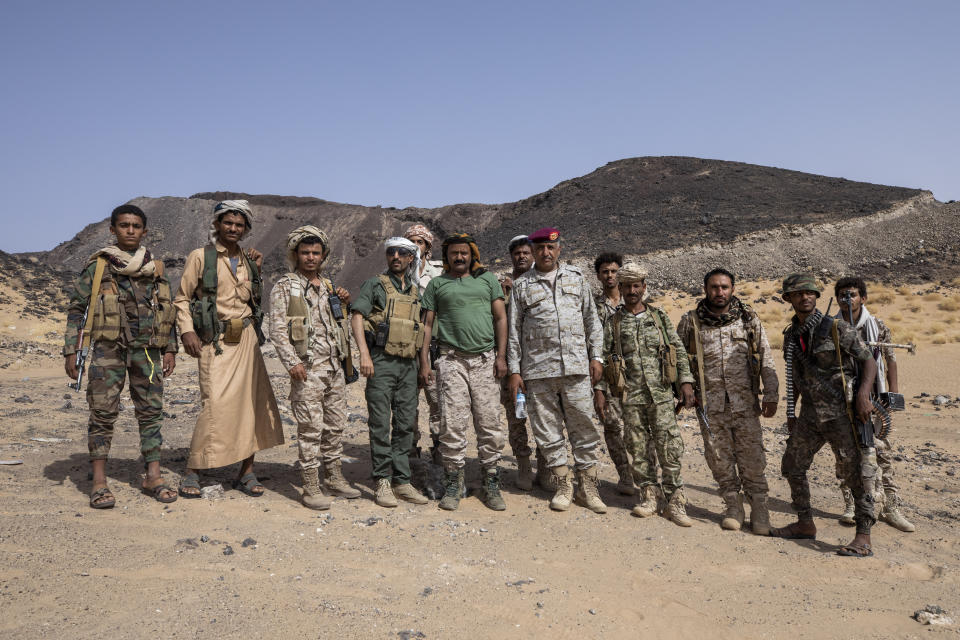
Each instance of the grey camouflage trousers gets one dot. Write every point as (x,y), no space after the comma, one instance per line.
(553,403)
(612,422)
(319,405)
(468,389)
(733,447)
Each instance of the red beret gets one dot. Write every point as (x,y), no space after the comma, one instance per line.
(547,234)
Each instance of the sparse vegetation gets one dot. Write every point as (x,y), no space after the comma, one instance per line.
(896,317)
(904,290)
(932,296)
(951,304)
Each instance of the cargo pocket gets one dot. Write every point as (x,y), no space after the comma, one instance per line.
(106,322)
(299,335)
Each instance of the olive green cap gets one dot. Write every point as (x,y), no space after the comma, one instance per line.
(801,282)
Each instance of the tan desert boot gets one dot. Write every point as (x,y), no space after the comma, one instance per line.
(385,496)
(336,484)
(892,516)
(625,486)
(313,497)
(407,493)
(733,516)
(676,511)
(759,514)
(587,493)
(524,474)
(648,502)
(849,507)
(564,496)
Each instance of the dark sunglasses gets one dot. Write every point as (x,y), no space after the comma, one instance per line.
(399,251)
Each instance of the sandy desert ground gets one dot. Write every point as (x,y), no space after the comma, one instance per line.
(238,567)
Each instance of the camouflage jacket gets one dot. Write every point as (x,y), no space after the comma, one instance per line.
(139,317)
(554,331)
(816,373)
(431,270)
(604,308)
(324,341)
(727,371)
(640,339)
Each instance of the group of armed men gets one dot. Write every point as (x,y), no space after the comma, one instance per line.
(555,354)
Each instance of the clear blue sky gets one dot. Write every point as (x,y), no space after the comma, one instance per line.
(431,103)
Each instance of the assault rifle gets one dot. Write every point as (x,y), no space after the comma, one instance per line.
(910,347)
(82,351)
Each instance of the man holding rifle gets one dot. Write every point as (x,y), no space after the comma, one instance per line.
(121,311)
(823,357)
(309,330)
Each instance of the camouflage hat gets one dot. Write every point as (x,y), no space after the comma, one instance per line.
(800,282)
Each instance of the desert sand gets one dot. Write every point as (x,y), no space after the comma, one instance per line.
(239,567)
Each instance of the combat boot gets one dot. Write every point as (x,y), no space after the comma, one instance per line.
(490,493)
(759,514)
(626,486)
(335,483)
(676,510)
(524,474)
(648,502)
(452,489)
(407,493)
(544,477)
(892,516)
(733,516)
(587,493)
(849,507)
(385,496)
(313,497)
(564,494)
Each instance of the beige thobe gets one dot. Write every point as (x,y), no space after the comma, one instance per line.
(239,414)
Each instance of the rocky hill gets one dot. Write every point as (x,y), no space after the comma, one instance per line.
(680,215)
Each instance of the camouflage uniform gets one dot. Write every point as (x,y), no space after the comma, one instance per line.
(823,416)
(612,419)
(890,489)
(554,333)
(319,402)
(516,427)
(733,444)
(130,353)
(431,270)
(648,400)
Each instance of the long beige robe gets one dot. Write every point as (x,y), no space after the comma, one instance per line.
(239,414)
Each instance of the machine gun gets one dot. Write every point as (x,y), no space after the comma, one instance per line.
(910,347)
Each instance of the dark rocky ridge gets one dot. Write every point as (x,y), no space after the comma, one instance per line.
(643,207)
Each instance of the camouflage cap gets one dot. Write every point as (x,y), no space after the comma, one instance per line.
(801,282)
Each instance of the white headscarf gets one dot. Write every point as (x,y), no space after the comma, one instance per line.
(409,245)
(232,206)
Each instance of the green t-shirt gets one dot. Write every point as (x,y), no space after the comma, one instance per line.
(464,319)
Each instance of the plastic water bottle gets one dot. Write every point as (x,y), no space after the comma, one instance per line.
(521,412)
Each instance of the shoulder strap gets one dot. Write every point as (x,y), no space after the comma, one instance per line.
(208,280)
(94,292)
(617,344)
(659,321)
(388,287)
(157,269)
(698,346)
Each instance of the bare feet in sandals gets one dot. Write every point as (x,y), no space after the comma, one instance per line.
(101,497)
(858,548)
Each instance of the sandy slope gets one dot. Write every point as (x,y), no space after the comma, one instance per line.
(143,570)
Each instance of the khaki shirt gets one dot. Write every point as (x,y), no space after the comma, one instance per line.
(323,342)
(430,271)
(726,364)
(233,291)
(604,308)
(554,330)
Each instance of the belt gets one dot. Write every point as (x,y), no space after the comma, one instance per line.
(447,349)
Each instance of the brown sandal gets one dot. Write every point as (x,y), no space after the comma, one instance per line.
(790,532)
(102,498)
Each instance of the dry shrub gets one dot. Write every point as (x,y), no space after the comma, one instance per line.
(770,293)
(914,308)
(939,340)
(950,319)
(896,317)
(956,337)
(935,329)
(884,297)
(904,290)
(902,335)
(933,296)
(776,340)
(949,305)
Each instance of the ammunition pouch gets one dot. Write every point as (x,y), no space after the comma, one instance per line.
(299,333)
(206,323)
(614,373)
(404,338)
(396,328)
(107,318)
(165,315)
(233,330)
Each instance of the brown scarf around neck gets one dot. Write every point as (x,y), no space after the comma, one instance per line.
(736,311)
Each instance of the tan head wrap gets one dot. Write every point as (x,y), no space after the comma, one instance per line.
(420,231)
(231,206)
(631,272)
(298,235)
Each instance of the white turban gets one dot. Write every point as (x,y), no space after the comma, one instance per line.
(231,206)
(402,243)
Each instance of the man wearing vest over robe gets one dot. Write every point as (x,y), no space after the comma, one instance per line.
(219,316)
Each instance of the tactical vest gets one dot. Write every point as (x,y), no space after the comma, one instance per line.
(300,329)
(110,316)
(203,307)
(748,316)
(400,317)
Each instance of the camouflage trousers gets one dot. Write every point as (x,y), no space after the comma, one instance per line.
(806,439)
(612,422)
(656,423)
(432,396)
(733,447)
(555,402)
(319,406)
(888,484)
(467,386)
(110,364)
(516,427)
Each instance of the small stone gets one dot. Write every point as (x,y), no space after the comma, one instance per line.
(593,612)
(212,492)
(248,542)
(204,538)
(426,591)
(941,400)
(228,550)
(24,399)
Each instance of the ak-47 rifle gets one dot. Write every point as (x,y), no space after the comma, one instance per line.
(82,351)
(350,373)
(910,347)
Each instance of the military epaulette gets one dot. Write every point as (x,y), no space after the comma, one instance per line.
(574,268)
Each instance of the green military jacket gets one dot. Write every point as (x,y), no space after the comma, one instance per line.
(641,340)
